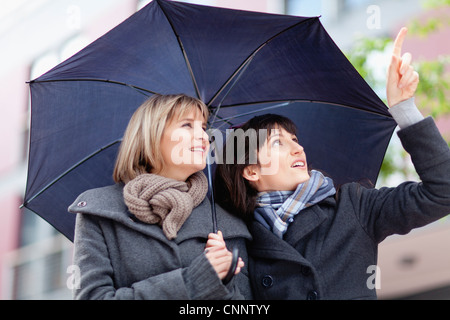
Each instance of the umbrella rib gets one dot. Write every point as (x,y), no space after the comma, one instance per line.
(180,43)
(282,103)
(251,56)
(229,89)
(220,119)
(26,202)
(138,89)
(252,112)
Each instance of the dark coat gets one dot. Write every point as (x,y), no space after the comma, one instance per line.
(122,258)
(330,249)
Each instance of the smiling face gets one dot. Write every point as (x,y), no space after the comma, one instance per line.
(281,164)
(184,146)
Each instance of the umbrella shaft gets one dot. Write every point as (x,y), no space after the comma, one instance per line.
(213,205)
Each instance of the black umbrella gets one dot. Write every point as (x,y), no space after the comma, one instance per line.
(239,63)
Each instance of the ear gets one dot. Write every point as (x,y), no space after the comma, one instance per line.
(251,173)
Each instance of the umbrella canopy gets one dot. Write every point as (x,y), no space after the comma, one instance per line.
(239,63)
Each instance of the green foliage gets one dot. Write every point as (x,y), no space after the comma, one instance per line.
(388,166)
(360,53)
(423,29)
(433,4)
(434,87)
(434,83)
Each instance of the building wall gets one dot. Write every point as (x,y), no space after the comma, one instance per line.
(37,35)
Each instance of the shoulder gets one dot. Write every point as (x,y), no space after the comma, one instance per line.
(100,201)
(352,194)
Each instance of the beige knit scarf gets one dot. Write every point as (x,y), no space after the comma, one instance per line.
(156,199)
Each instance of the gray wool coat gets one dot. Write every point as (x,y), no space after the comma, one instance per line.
(122,258)
(330,249)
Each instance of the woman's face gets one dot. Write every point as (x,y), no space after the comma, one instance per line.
(282,163)
(184,146)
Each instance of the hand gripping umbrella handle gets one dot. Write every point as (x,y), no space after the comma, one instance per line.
(233,266)
(235,257)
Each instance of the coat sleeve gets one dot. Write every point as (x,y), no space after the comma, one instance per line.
(198,281)
(398,210)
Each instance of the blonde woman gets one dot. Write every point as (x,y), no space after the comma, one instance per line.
(148,236)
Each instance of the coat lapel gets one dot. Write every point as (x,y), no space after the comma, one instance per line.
(199,224)
(307,221)
(267,245)
(107,202)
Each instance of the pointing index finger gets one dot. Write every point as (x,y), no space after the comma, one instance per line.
(399,42)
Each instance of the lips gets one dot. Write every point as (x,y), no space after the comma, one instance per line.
(198,149)
(298,164)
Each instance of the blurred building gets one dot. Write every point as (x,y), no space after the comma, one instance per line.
(38,34)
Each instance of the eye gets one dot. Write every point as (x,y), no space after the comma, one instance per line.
(187,125)
(295,139)
(276,142)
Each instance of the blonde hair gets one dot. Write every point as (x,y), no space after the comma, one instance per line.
(140,150)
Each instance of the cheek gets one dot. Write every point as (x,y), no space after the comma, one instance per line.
(166,151)
(172,145)
(273,161)
(266,156)
(271,169)
(179,139)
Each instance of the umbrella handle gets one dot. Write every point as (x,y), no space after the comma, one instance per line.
(233,266)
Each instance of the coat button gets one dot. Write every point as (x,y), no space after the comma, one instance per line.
(312,295)
(81,204)
(267,281)
(306,271)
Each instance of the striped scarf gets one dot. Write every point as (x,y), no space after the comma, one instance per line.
(276,209)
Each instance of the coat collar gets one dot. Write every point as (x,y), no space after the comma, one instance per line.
(307,221)
(107,202)
(267,245)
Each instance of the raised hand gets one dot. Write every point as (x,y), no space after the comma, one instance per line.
(402,80)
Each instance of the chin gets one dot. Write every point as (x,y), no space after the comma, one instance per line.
(196,168)
(301,180)
(203,166)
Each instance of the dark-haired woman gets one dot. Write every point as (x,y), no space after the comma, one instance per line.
(310,242)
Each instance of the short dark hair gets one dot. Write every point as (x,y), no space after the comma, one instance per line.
(232,191)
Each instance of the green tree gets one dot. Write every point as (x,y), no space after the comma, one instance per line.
(434,88)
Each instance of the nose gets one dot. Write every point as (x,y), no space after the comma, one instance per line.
(296,149)
(205,136)
(200,133)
